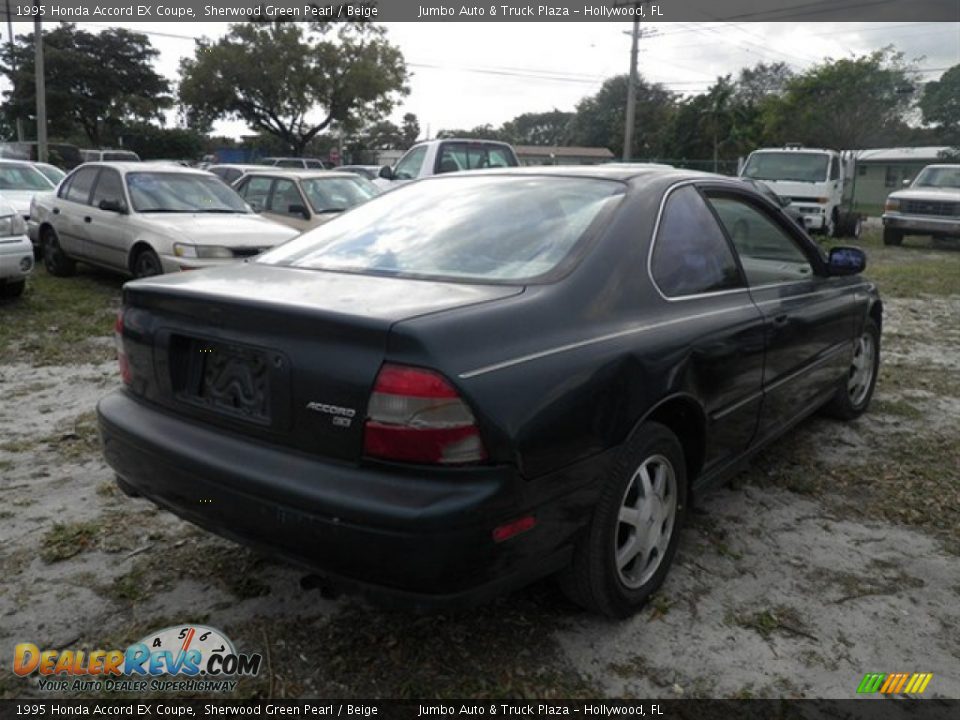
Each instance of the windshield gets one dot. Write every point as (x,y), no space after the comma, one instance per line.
(22,177)
(943,176)
(474,228)
(337,193)
(792,166)
(182,193)
(51,172)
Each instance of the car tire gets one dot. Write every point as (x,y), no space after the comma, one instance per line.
(853,398)
(146,263)
(625,553)
(892,237)
(12,289)
(55,260)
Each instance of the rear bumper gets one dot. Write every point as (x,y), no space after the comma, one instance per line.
(421,538)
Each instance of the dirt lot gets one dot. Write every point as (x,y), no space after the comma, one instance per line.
(834,555)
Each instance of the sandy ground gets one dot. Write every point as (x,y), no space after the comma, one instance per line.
(793,583)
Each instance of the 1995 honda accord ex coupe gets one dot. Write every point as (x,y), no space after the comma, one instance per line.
(484,378)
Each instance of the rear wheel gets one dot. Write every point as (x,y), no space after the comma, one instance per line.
(146,264)
(892,237)
(854,396)
(628,548)
(55,260)
(13,289)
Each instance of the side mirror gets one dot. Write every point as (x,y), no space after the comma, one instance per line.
(847,261)
(906,182)
(116,206)
(386,172)
(299,210)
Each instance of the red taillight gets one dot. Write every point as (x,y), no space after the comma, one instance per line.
(125,373)
(505,532)
(415,415)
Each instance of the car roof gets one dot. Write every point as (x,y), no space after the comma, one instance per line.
(612,171)
(128,166)
(302,172)
(238,166)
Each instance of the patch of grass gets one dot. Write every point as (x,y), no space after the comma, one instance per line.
(900,408)
(916,268)
(61,321)
(782,619)
(64,540)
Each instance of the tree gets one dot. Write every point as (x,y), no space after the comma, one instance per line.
(480,132)
(95,83)
(600,119)
(410,130)
(848,103)
(292,80)
(151,142)
(543,128)
(940,103)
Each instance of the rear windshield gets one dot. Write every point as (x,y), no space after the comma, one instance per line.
(488,228)
(456,156)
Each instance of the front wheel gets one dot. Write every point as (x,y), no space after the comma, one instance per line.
(146,264)
(55,260)
(854,396)
(627,550)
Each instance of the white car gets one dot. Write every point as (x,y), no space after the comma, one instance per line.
(20,180)
(141,220)
(16,251)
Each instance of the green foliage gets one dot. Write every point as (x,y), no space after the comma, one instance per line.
(601,118)
(847,103)
(544,128)
(940,103)
(291,80)
(95,83)
(152,142)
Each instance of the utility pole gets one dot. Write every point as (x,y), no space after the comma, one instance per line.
(632,87)
(41,91)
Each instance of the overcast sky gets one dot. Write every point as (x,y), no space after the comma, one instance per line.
(468,74)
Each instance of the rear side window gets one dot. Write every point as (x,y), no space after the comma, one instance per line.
(79,188)
(285,196)
(255,190)
(473,228)
(690,253)
(473,156)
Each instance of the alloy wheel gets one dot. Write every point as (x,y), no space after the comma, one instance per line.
(861,369)
(646,521)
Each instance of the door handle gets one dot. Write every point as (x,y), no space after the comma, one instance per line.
(87,219)
(56,211)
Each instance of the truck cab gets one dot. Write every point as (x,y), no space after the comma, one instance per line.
(815,180)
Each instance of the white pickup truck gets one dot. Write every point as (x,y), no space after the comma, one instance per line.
(815,180)
(929,206)
(434,157)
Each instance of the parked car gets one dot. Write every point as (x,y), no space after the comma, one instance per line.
(108,155)
(61,155)
(930,206)
(783,203)
(297,163)
(485,378)
(16,251)
(303,199)
(229,172)
(435,157)
(141,220)
(20,181)
(50,172)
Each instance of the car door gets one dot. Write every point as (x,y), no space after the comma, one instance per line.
(285,204)
(108,232)
(255,189)
(695,271)
(808,317)
(70,208)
